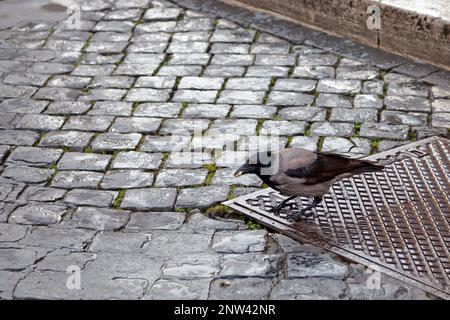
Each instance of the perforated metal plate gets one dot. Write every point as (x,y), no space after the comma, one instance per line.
(397,219)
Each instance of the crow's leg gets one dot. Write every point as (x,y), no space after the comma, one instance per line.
(302,213)
(282,204)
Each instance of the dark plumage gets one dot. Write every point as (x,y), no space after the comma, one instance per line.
(297,172)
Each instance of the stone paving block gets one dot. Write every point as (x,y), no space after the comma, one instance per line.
(241,97)
(253,111)
(88,123)
(282,98)
(118,241)
(135,69)
(160,110)
(61,259)
(192,267)
(313,72)
(52,285)
(314,265)
(440,92)
(72,82)
(267,71)
(441,105)
(76,179)
(169,244)
(295,85)
(43,194)
(37,213)
(313,289)
(118,82)
(96,198)
(183,126)
(182,71)
(30,79)
(16,259)
(31,156)
(164,143)
(227,59)
(201,83)
(135,124)
(407,89)
(155,82)
(192,36)
(74,140)
(357,73)
(303,113)
(100,218)
(210,111)
(174,289)
(115,141)
(355,147)
(234,126)
(11,232)
(373,87)
(239,35)
(137,160)
(339,86)
(384,131)
(441,120)
(18,137)
(22,106)
(408,118)
(8,283)
(313,59)
(27,174)
(91,70)
(368,101)
(199,221)
(160,14)
(275,59)
(353,115)
(248,83)
(146,221)
(111,108)
(57,93)
(224,71)
(188,160)
(40,122)
(226,177)
(407,103)
(333,101)
(202,197)
(240,241)
(84,161)
(58,238)
(187,47)
(158,199)
(67,107)
(103,94)
(332,129)
(196,96)
(124,179)
(249,265)
(180,177)
(284,128)
(240,289)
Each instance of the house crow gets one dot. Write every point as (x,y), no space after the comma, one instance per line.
(296,172)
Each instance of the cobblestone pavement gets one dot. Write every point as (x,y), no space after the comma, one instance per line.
(88,181)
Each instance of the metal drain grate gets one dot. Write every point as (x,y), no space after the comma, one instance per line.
(397,219)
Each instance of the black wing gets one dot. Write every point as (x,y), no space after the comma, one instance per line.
(328,166)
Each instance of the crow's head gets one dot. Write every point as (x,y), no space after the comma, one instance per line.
(255,164)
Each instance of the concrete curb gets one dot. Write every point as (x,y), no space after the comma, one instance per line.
(423,33)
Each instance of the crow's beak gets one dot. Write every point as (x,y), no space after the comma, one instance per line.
(238,173)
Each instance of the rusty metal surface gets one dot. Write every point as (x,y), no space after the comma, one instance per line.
(396,220)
